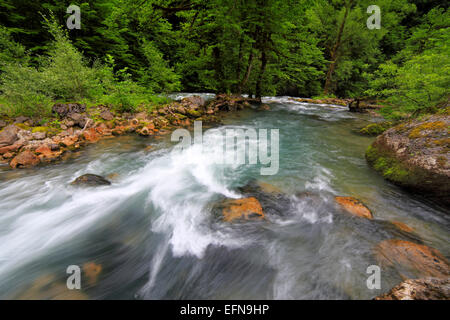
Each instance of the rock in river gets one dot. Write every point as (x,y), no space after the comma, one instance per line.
(246,209)
(415,155)
(419,289)
(354,206)
(91,180)
(412,259)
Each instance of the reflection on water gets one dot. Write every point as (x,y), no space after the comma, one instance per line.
(154,235)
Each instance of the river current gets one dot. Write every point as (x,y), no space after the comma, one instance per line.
(153,234)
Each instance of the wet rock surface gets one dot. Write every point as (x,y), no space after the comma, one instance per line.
(416,155)
(354,207)
(90,180)
(242,209)
(419,289)
(412,259)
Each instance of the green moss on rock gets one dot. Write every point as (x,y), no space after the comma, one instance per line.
(391,168)
(375,129)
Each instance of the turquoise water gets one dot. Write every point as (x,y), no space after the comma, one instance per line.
(156,233)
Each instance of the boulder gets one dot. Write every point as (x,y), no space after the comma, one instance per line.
(21,119)
(2,124)
(91,180)
(411,259)
(242,209)
(64,109)
(354,206)
(91,135)
(12,148)
(9,135)
(414,155)
(24,159)
(107,115)
(194,102)
(39,135)
(91,271)
(419,289)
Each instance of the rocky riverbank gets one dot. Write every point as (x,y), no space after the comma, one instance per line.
(416,155)
(25,144)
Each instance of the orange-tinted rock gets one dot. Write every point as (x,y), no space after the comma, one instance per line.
(91,135)
(69,141)
(420,260)
(354,206)
(8,155)
(47,287)
(46,154)
(25,159)
(91,271)
(247,209)
(402,226)
(12,148)
(419,289)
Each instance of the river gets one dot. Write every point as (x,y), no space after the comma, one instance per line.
(155,235)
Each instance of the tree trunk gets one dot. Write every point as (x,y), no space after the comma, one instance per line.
(334,52)
(261,71)
(247,72)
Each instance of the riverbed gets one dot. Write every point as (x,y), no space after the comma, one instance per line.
(153,233)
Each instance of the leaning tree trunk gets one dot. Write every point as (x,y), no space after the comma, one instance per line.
(247,72)
(261,73)
(335,51)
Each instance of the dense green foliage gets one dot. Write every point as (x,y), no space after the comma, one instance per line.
(127,51)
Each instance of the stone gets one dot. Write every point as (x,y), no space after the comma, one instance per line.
(107,115)
(242,209)
(411,259)
(24,159)
(193,102)
(402,226)
(48,287)
(9,135)
(354,206)
(12,148)
(39,135)
(64,109)
(268,188)
(419,289)
(91,271)
(91,135)
(91,180)
(21,119)
(414,155)
(2,124)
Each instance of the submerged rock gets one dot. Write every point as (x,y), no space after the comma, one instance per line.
(415,155)
(416,259)
(48,287)
(402,226)
(242,209)
(91,271)
(419,289)
(354,206)
(91,180)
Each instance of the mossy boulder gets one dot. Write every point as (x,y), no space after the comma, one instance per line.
(375,129)
(415,155)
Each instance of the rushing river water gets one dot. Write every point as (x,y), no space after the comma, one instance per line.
(155,235)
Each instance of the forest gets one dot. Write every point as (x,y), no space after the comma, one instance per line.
(127,53)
